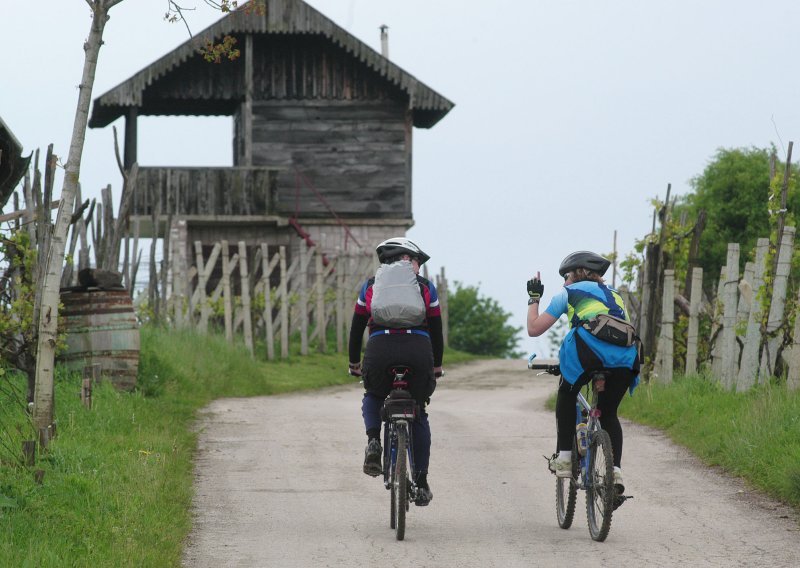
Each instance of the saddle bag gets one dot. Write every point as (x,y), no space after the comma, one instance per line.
(399,404)
(612,329)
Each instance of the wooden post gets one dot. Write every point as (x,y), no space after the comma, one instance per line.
(777,307)
(200,291)
(793,358)
(152,289)
(716,326)
(322,339)
(443,305)
(748,367)
(341,262)
(302,304)
(284,305)
(226,292)
(665,340)
(731,297)
(692,335)
(266,270)
(29,452)
(91,375)
(745,299)
(782,211)
(614,263)
(244,276)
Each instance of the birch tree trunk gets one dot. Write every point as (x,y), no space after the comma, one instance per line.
(48,316)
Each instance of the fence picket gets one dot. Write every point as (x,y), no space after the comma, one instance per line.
(748,367)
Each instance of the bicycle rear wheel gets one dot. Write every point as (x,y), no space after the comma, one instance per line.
(567,493)
(388,472)
(600,486)
(400,484)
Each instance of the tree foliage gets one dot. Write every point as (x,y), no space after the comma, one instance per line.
(741,200)
(479,325)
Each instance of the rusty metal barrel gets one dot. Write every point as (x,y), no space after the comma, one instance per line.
(102,329)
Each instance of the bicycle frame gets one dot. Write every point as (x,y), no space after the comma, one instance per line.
(588,413)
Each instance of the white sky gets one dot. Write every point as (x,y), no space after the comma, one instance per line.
(570,115)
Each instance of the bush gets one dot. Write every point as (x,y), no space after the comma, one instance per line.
(479,325)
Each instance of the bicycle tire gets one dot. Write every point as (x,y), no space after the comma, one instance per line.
(389,473)
(600,486)
(400,486)
(567,493)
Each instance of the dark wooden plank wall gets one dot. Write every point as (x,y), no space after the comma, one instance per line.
(326,118)
(355,154)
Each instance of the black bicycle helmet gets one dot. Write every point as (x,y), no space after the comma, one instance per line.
(584,259)
(392,248)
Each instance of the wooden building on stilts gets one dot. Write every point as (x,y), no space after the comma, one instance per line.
(322,140)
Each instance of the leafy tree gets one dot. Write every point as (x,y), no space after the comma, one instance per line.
(738,194)
(479,325)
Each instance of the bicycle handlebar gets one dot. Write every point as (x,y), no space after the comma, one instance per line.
(549,367)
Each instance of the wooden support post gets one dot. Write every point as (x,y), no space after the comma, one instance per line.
(748,367)
(322,339)
(716,327)
(284,291)
(200,291)
(29,452)
(443,291)
(244,276)
(745,299)
(665,340)
(266,270)
(341,262)
(226,292)
(731,299)
(775,318)
(302,304)
(91,375)
(692,335)
(793,357)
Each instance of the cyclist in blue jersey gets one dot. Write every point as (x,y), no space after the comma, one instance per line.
(420,347)
(584,296)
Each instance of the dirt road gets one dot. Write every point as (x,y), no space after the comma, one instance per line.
(279,484)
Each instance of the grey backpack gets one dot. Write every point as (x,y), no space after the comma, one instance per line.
(396,298)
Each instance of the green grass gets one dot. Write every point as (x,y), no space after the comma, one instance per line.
(118,478)
(755,435)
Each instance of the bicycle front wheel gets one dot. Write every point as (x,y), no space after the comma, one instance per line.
(600,486)
(567,493)
(400,484)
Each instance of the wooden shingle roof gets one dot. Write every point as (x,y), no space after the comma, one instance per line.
(281,17)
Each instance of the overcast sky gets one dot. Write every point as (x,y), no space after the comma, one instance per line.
(570,117)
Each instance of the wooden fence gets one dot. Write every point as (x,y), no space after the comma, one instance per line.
(257,294)
(746,347)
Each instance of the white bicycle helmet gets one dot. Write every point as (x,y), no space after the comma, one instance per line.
(389,249)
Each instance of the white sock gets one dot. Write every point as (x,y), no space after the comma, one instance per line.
(617,470)
(565,455)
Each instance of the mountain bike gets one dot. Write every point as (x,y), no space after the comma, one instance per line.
(592,463)
(398,413)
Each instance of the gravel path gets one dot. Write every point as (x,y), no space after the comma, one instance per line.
(279,483)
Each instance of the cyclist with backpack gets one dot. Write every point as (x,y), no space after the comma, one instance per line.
(401,309)
(600,338)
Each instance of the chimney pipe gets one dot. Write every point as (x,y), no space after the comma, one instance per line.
(384,41)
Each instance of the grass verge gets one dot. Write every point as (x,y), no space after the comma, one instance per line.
(754,435)
(117,482)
